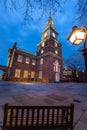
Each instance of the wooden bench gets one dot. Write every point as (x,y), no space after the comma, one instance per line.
(38,117)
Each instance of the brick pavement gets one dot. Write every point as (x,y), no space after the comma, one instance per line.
(47,94)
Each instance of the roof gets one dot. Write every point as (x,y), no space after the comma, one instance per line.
(50,28)
(24,52)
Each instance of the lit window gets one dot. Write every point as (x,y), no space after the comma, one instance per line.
(25,74)
(17,73)
(27,60)
(41,61)
(53,34)
(32,74)
(20,58)
(42,51)
(40,74)
(56,52)
(55,44)
(42,44)
(33,62)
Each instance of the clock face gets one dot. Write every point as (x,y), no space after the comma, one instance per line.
(53,34)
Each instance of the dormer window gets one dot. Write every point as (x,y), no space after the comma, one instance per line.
(20,58)
(56,52)
(42,44)
(42,51)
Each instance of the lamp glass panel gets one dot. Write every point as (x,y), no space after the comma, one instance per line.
(72,38)
(80,35)
(77,41)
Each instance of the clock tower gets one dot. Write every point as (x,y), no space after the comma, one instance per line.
(49,30)
(49,55)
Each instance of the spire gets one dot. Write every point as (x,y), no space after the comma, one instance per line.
(14,45)
(50,22)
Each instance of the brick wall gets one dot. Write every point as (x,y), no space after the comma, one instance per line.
(22,66)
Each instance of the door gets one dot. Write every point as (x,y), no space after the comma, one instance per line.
(57,77)
(57,71)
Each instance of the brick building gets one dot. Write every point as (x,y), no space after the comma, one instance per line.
(45,66)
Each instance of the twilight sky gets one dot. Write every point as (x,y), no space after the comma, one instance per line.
(28,36)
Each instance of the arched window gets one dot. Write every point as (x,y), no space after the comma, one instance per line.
(56,52)
(42,51)
(56,66)
(42,44)
(55,44)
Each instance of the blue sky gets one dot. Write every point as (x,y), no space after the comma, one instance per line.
(28,36)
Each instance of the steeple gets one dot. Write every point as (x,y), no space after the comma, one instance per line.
(49,31)
(50,22)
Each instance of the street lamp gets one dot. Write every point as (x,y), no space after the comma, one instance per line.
(77,36)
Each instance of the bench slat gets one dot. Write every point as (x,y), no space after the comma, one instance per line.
(11,115)
(27,117)
(22,115)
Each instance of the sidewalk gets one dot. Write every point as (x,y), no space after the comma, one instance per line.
(47,94)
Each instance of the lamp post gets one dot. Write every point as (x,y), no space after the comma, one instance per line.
(77,36)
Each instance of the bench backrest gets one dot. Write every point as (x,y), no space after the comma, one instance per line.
(37,117)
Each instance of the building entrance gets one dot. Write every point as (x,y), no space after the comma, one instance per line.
(57,77)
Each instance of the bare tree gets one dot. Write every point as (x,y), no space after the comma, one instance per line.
(75,61)
(82,11)
(34,8)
